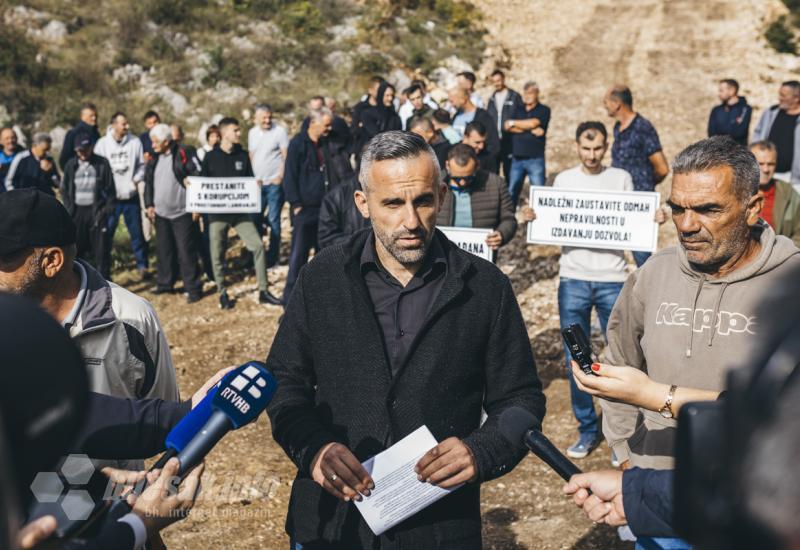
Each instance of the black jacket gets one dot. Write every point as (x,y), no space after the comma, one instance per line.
(492,139)
(184,164)
(376,119)
(731,120)
(339,218)
(335,384)
(513,100)
(105,193)
(305,181)
(26,171)
(441,147)
(648,497)
(68,149)
(219,164)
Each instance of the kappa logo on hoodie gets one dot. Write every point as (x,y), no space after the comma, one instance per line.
(727,322)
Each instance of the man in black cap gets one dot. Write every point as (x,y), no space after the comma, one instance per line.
(88,192)
(119,334)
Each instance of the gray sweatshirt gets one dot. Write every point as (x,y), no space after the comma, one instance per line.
(685,329)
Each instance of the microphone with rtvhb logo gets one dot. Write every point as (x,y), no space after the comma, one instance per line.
(240,398)
(518,427)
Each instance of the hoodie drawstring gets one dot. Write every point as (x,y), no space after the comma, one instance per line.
(716,313)
(694,312)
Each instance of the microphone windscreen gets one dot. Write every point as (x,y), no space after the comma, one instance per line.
(514,424)
(190,424)
(245,393)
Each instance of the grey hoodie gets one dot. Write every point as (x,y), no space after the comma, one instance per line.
(685,329)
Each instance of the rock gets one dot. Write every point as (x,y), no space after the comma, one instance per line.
(444,76)
(55,31)
(340,61)
(400,79)
(129,73)
(243,43)
(5,116)
(58,134)
(226,93)
(24,16)
(176,101)
(346,30)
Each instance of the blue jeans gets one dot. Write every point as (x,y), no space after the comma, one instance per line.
(533,168)
(272,198)
(132,213)
(641,257)
(575,301)
(661,543)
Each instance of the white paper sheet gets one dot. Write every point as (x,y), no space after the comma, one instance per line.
(398,494)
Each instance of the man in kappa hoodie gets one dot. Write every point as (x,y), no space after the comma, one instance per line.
(230,160)
(686,316)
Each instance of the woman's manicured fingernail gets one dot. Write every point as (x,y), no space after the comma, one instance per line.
(595,367)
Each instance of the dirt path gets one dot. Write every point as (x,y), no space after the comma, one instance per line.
(671,52)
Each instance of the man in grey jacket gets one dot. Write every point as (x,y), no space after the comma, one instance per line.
(780,124)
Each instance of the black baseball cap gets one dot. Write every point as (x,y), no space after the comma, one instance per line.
(30,218)
(83,141)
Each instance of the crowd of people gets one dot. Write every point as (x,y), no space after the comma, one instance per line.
(450,346)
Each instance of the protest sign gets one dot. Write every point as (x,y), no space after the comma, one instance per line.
(617,220)
(470,239)
(223,195)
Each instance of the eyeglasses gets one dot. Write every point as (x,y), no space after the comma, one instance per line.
(461,181)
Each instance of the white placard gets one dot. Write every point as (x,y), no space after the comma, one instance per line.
(223,195)
(398,494)
(618,220)
(470,239)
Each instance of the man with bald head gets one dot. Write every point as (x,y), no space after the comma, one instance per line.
(9,147)
(368,367)
(466,112)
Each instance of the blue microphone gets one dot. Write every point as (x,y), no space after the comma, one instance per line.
(241,396)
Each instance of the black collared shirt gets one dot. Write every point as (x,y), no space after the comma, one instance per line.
(402,310)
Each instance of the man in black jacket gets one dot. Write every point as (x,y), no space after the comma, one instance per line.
(34,167)
(339,217)
(407,330)
(88,193)
(87,125)
(177,240)
(314,166)
(732,116)
(230,160)
(502,104)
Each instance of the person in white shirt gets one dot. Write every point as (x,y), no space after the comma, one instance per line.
(125,154)
(588,278)
(268,143)
(418,103)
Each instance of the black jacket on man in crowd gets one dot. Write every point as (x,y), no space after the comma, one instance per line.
(68,149)
(335,384)
(105,193)
(731,120)
(339,218)
(513,100)
(26,171)
(184,164)
(492,138)
(305,179)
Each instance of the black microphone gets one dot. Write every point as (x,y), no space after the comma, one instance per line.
(518,426)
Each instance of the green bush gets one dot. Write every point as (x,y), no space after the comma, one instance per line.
(780,36)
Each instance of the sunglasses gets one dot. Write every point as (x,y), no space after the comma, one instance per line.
(461,180)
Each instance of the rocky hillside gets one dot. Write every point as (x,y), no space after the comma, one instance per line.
(192,59)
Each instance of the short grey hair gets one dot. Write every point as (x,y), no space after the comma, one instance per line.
(764,145)
(41,138)
(719,151)
(266,107)
(316,114)
(394,145)
(531,85)
(161,132)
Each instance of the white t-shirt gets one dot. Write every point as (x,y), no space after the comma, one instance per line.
(265,146)
(499,100)
(593,264)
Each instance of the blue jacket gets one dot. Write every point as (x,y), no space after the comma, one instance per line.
(26,171)
(731,120)
(647,496)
